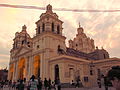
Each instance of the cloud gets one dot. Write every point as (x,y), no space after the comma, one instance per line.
(104,28)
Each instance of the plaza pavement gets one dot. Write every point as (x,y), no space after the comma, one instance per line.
(94,88)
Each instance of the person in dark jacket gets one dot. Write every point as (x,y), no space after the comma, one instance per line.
(59,85)
(39,86)
(20,85)
(45,84)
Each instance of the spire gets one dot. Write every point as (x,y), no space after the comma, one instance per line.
(24,28)
(79,25)
(49,8)
(80,29)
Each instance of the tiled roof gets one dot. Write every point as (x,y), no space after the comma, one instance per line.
(89,56)
(76,53)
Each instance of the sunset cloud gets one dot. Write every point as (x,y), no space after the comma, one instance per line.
(104,28)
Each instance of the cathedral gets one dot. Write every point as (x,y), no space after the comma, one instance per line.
(47,56)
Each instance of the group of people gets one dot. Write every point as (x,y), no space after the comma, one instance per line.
(32,84)
(37,84)
(113,77)
(5,83)
(77,83)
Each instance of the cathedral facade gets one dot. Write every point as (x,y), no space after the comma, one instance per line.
(47,56)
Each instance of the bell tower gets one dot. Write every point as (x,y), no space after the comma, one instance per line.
(22,39)
(48,39)
(49,22)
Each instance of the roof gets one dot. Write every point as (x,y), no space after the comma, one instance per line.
(89,56)
(76,53)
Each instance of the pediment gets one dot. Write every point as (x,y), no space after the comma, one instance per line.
(22,50)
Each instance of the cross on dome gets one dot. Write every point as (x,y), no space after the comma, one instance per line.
(49,8)
(24,27)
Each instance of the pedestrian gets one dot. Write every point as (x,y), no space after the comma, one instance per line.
(45,84)
(33,83)
(105,82)
(72,83)
(49,84)
(99,83)
(53,85)
(59,85)
(20,85)
(56,83)
(114,77)
(1,86)
(39,86)
(13,85)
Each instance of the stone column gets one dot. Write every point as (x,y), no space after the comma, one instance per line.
(31,61)
(46,67)
(27,68)
(14,71)
(42,66)
(28,77)
(17,69)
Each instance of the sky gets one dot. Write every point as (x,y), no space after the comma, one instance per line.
(103,27)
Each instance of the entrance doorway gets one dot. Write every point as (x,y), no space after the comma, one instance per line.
(71,71)
(57,72)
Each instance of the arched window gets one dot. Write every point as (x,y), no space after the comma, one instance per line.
(38,29)
(58,46)
(91,72)
(43,27)
(104,56)
(58,29)
(23,42)
(53,27)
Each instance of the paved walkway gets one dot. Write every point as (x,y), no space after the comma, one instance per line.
(94,88)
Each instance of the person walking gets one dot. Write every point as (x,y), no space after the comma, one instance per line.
(33,83)
(45,84)
(39,86)
(99,83)
(59,84)
(105,82)
(49,84)
(20,85)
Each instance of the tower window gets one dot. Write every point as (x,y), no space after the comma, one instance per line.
(28,45)
(58,29)
(104,56)
(91,72)
(76,44)
(23,42)
(38,29)
(52,27)
(43,27)
(37,46)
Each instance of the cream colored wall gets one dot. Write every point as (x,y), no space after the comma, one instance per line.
(104,66)
(61,70)
(65,65)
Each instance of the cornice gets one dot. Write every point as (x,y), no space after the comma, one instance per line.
(50,34)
